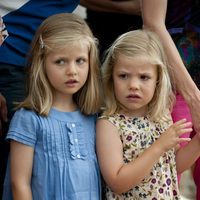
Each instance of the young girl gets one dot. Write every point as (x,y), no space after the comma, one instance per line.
(137,144)
(53,133)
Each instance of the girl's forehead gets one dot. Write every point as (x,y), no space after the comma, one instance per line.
(62,46)
(72,43)
(132,63)
(134,59)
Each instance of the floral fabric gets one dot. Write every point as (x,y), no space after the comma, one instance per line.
(137,134)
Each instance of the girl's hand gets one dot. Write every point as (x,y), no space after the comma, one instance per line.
(171,137)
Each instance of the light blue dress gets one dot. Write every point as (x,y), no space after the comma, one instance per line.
(65,165)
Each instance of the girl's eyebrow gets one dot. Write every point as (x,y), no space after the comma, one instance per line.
(146,73)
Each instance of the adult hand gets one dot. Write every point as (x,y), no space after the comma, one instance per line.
(3,111)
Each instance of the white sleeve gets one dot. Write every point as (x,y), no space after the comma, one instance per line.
(7,6)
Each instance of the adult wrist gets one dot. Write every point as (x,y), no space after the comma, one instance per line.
(191,96)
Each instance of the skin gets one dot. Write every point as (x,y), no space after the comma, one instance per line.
(67,71)
(134,85)
(121,177)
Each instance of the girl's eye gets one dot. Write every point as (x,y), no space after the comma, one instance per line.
(123,76)
(80,61)
(60,62)
(145,77)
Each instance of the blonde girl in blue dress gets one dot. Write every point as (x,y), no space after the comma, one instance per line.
(137,143)
(52,134)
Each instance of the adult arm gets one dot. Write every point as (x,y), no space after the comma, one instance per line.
(21,161)
(187,155)
(3,111)
(126,7)
(153,13)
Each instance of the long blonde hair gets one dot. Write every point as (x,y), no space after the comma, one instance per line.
(54,32)
(132,44)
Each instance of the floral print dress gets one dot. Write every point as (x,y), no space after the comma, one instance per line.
(137,134)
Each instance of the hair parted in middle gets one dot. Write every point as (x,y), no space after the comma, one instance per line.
(133,44)
(55,32)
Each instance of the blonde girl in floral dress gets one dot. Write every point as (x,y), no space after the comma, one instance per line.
(137,143)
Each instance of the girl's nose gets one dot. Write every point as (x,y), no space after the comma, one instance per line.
(133,85)
(72,70)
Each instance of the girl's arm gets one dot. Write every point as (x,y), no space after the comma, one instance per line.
(126,7)
(187,155)
(21,161)
(153,13)
(121,177)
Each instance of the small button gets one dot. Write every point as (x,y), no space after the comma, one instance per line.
(73,125)
(78,156)
(76,140)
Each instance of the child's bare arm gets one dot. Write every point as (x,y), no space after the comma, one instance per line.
(21,161)
(121,177)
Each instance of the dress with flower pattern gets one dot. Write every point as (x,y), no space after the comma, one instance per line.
(137,134)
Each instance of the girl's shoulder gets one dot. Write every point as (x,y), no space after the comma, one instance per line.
(25,114)
(24,117)
(24,127)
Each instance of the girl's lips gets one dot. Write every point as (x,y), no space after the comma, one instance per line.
(71,83)
(135,96)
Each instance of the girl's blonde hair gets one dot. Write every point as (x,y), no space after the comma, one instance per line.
(132,44)
(55,32)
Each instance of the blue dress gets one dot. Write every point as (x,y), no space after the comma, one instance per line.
(65,165)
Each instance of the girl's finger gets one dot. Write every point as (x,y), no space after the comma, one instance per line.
(183,131)
(184,140)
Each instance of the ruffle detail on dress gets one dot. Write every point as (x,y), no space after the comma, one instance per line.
(78,147)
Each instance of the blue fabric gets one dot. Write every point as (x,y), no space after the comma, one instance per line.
(22,24)
(65,165)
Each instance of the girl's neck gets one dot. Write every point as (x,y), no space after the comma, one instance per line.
(132,114)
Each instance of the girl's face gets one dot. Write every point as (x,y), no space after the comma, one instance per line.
(134,84)
(67,69)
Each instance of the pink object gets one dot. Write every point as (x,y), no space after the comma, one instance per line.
(180,111)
